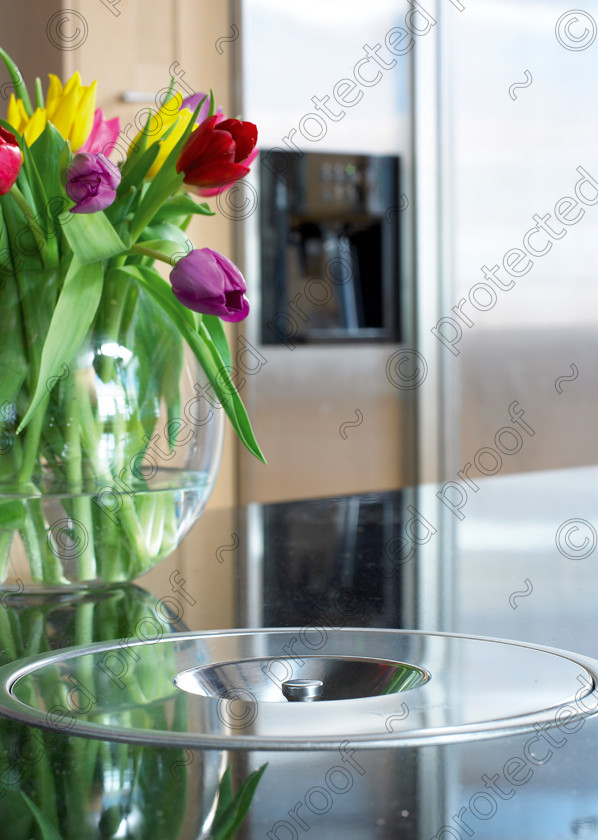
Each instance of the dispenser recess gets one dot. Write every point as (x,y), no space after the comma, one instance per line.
(329,231)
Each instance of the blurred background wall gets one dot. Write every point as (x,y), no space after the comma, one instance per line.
(524,137)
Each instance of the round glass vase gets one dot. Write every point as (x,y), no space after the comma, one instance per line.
(117,461)
(98,790)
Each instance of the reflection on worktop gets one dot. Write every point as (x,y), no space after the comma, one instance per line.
(518,563)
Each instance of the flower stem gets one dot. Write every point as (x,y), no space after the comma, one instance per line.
(6,538)
(33,547)
(29,214)
(31,446)
(83,524)
(151,252)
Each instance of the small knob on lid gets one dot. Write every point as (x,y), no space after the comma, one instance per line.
(302,691)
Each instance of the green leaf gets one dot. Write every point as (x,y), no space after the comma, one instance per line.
(17,80)
(39,93)
(32,222)
(119,209)
(13,361)
(165,247)
(160,189)
(164,230)
(22,242)
(168,241)
(64,161)
(51,154)
(229,396)
(92,238)
(12,515)
(159,347)
(47,829)
(136,174)
(138,152)
(228,820)
(163,185)
(225,795)
(71,319)
(5,124)
(179,243)
(34,179)
(182,205)
(204,349)
(215,327)
(138,149)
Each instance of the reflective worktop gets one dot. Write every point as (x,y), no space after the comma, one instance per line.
(510,557)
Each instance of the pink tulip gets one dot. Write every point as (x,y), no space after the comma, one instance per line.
(103,135)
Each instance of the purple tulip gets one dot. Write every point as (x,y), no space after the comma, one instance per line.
(207,282)
(191,102)
(92,181)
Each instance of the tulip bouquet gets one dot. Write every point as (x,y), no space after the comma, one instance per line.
(93,337)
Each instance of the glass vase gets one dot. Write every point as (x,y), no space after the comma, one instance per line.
(83,788)
(115,464)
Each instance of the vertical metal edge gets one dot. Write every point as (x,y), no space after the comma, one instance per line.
(247,256)
(236,98)
(250,575)
(432,247)
(408,292)
(434,411)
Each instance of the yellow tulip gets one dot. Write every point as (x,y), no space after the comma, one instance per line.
(35,126)
(70,109)
(17,115)
(54,94)
(160,122)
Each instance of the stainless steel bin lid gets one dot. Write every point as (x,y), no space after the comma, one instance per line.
(246,689)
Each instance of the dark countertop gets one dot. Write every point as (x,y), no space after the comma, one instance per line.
(514,558)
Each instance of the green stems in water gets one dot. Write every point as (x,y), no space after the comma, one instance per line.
(86,563)
(88,437)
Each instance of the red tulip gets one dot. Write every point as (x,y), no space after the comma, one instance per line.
(215,154)
(10,160)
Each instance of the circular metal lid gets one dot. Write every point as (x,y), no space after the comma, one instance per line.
(230,689)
